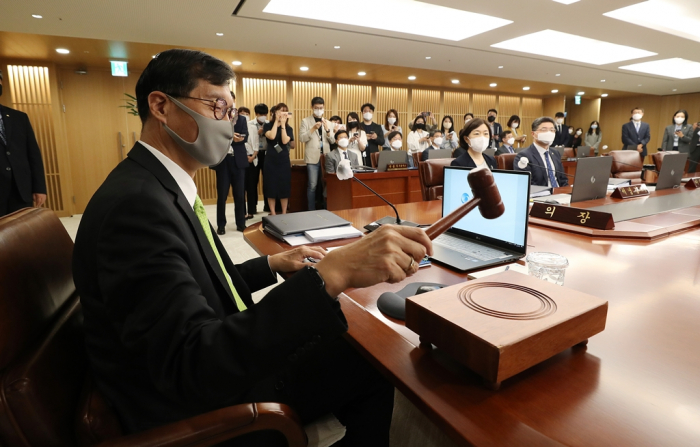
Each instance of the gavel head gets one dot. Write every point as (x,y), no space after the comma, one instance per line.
(484,187)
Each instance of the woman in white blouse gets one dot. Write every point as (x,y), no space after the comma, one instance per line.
(451,139)
(514,124)
(418,138)
(357,137)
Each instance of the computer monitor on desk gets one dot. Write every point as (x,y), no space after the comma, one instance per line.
(591,180)
(583,151)
(387,158)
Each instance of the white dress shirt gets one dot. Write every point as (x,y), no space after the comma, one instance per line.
(182,178)
(543,151)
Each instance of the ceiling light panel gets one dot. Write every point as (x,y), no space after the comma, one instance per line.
(673,68)
(566,2)
(407,16)
(571,47)
(679,18)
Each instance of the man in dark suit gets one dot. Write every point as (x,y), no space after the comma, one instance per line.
(230,173)
(694,155)
(544,165)
(171,329)
(561,131)
(496,128)
(508,141)
(636,134)
(22,182)
(375,134)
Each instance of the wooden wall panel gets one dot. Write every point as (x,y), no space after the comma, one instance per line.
(456,104)
(552,105)
(303,93)
(507,106)
(531,110)
(267,91)
(583,114)
(426,101)
(351,98)
(397,99)
(481,103)
(30,90)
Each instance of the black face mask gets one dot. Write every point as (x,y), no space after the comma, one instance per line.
(492,119)
(419,126)
(352,125)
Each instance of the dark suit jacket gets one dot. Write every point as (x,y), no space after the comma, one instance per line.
(561,137)
(21,154)
(240,155)
(630,137)
(467,161)
(497,129)
(373,145)
(538,173)
(163,334)
(504,150)
(694,156)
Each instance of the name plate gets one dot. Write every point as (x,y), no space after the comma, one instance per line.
(627,192)
(397,167)
(693,183)
(574,216)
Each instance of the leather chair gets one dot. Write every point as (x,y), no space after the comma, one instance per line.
(626,164)
(375,159)
(505,161)
(432,177)
(568,153)
(43,364)
(416,158)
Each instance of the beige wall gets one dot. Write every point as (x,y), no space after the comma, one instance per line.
(583,114)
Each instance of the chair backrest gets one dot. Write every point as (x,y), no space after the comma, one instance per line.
(505,161)
(626,164)
(374,158)
(658,158)
(42,356)
(416,158)
(432,177)
(569,153)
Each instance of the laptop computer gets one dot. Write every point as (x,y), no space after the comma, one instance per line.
(591,180)
(475,242)
(490,151)
(439,153)
(583,151)
(671,171)
(390,158)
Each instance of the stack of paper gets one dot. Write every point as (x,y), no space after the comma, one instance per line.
(329,234)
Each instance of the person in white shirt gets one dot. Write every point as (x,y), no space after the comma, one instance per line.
(391,124)
(436,141)
(358,138)
(418,138)
(450,140)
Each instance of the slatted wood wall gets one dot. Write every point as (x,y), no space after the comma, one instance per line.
(456,104)
(31,93)
(426,101)
(351,98)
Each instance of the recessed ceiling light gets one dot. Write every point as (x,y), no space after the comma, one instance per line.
(557,74)
(237,63)
(555,91)
(337,47)
(427,57)
(304,68)
(639,85)
(665,16)
(62,51)
(500,66)
(361,73)
(602,80)
(411,17)
(37,16)
(411,78)
(673,68)
(526,88)
(566,2)
(455,81)
(572,47)
(675,89)
(604,95)
(581,93)
(493,84)
(219,34)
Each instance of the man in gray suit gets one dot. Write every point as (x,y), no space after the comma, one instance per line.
(314,133)
(341,153)
(677,136)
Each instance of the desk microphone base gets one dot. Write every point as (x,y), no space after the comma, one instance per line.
(388,220)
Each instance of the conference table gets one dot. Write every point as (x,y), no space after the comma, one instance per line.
(635,384)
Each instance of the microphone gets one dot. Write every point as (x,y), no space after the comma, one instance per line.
(524,162)
(344,172)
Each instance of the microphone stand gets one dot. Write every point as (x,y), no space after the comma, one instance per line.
(387,220)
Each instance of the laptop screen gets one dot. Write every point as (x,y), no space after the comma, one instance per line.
(509,230)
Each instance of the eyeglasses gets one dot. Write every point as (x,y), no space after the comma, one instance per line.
(219,108)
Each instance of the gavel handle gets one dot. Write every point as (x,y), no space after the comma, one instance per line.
(448,221)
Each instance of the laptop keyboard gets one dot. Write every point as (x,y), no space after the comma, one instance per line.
(473,250)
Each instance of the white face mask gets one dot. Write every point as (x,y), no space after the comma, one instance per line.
(396,144)
(447,125)
(546,137)
(262,119)
(578,132)
(637,117)
(391,120)
(343,142)
(679,120)
(571,131)
(515,125)
(437,141)
(367,116)
(594,126)
(560,120)
(318,113)
(510,141)
(467,120)
(479,144)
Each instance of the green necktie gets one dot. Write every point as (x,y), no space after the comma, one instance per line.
(202,216)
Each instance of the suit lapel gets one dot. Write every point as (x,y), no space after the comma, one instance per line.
(142,156)
(8,123)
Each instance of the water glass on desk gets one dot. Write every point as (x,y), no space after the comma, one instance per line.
(547,266)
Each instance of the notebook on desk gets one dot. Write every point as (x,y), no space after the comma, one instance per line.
(293,223)
(475,242)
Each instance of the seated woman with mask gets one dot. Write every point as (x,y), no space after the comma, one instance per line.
(474,139)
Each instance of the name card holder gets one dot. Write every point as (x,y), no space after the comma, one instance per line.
(627,192)
(396,167)
(693,183)
(574,216)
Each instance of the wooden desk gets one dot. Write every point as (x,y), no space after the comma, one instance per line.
(635,384)
(570,169)
(396,187)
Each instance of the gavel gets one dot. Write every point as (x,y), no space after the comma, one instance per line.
(486,197)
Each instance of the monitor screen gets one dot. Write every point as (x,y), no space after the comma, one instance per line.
(509,229)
